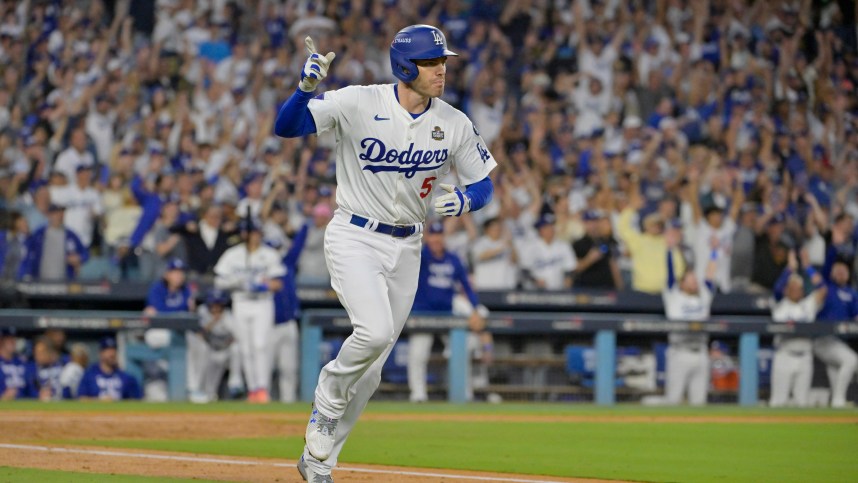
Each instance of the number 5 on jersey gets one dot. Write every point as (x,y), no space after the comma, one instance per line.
(427,186)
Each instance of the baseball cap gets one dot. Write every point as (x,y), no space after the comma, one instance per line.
(217,296)
(777,218)
(435,227)
(675,223)
(591,215)
(177,264)
(545,219)
(107,343)
(632,122)
(55,207)
(82,167)
(325,191)
(8,332)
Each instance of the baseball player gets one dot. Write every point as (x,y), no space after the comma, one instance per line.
(251,271)
(792,364)
(105,381)
(208,347)
(841,303)
(393,143)
(42,374)
(441,273)
(286,311)
(687,353)
(12,382)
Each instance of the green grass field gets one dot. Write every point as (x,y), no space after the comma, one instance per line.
(741,451)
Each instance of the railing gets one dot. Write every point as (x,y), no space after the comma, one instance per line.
(604,328)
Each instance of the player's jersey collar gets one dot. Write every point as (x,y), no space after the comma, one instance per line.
(413,116)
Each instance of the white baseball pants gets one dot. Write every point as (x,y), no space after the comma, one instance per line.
(285,350)
(686,369)
(205,366)
(375,277)
(841,362)
(792,371)
(254,322)
(419,351)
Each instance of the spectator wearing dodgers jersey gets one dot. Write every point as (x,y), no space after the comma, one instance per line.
(494,258)
(75,155)
(548,262)
(82,203)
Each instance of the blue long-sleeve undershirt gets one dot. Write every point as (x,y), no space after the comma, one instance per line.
(480,193)
(294,118)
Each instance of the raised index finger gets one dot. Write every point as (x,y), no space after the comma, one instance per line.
(311,47)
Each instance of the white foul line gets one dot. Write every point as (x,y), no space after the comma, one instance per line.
(200,459)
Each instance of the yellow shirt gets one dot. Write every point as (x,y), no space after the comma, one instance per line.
(649,256)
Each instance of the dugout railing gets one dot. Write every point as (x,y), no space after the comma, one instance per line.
(603,328)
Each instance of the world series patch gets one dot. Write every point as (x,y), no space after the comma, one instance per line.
(437,134)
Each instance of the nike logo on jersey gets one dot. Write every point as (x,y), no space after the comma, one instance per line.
(409,161)
(378,118)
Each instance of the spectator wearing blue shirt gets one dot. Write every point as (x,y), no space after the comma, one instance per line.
(42,374)
(53,252)
(12,381)
(441,276)
(171,293)
(286,313)
(841,304)
(105,381)
(151,202)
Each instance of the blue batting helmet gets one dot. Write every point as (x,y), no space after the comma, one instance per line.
(414,43)
(217,296)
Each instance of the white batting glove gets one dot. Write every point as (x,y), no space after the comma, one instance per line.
(316,67)
(454,203)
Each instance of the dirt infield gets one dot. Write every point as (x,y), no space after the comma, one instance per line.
(27,435)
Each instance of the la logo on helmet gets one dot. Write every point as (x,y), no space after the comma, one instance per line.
(438,39)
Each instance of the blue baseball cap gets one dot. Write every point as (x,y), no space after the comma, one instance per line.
(545,219)
(435,227)
(82,167)
(55,207)
(177,264)
(107,343)
(591,215)
(777,218)
(8,332)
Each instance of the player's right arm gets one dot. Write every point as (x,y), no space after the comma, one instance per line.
(294,118)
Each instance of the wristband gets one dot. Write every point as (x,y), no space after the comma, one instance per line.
(713,255)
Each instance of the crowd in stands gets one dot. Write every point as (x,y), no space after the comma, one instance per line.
(133,133)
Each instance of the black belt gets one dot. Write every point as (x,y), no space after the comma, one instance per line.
(396,231)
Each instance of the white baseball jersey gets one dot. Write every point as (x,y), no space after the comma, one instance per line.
(548,262)
(679,305)
(788,311)
(702,250)
(82,206)
(496,273)
(388,163)
(237,270)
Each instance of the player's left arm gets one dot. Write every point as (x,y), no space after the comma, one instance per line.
(474,162)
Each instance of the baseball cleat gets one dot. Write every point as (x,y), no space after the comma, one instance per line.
(320,435)
(309,475)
